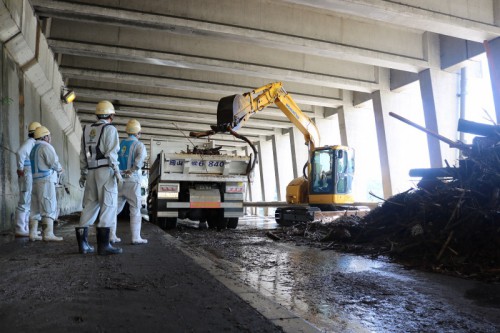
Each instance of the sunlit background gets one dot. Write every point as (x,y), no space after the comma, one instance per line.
(409,149)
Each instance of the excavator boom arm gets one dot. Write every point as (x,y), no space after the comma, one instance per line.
(235,110)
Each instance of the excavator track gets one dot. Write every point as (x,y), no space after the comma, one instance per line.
(291,215)
(288,216)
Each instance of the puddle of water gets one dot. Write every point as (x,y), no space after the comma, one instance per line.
(254,222)
(340,292)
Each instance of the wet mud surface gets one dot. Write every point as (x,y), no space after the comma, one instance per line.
(340,292)
(50,287)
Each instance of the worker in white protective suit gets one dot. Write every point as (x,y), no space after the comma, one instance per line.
(100,176)
(45,170)
(131,157)
(25,181)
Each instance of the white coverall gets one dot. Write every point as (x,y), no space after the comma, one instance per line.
(45,169)
(25,186)
(101,190)
(131,157)
(130,191)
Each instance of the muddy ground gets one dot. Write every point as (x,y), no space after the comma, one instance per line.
(50,287)
(340,292)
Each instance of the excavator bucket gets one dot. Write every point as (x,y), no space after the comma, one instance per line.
(231,110)
(225,112)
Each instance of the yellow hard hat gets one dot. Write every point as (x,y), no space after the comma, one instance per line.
(133,127)
(33,126)
(41,131)
(104,107)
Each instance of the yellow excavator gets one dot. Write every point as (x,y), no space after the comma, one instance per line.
(326,186)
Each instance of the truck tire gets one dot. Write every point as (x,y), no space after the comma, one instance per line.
(153,208)
(221,224)
(170,222)
(232,222)
(167,222)
(214,218)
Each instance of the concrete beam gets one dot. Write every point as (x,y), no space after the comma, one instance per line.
(208,64)
(466,20)
(185,127)
(119,97)
(207,119)
(183,85)
(255,36)
(454,52)
(399,79)
(9,24)
(257,121)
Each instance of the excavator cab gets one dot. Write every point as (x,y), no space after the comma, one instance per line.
(331,175)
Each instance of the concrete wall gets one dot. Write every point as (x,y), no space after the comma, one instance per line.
(10,138)
(30,91)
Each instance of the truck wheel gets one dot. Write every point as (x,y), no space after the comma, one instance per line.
(221,223)
(214,218)
(170,222)
(160,221)
(153,208)
(212,223)
(232,222)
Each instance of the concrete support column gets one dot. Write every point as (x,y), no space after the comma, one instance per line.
(378,111)
(440,101)
(300,152)
(493,53)
(342,126)
(430,117)
(292,150)
(261,170)
(258,145)
(276,168)
(248,194)
(327,125)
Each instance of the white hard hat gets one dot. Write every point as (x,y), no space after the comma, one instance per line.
(33,126)
(41,131)
(104,108)
(133,127)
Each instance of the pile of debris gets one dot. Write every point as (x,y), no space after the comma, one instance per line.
(452,230)
(449,224)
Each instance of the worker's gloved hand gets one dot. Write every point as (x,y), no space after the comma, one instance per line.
(119,178)
(83,179)
(127,173)
(20,173)
(61,176)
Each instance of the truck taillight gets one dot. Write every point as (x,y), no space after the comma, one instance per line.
(238,187)
(168,191)
(168,188)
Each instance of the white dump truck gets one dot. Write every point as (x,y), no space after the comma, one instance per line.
(191,179)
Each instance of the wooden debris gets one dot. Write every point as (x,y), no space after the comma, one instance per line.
(271,235)
(449,226)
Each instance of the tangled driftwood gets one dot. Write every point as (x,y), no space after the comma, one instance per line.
(449,225)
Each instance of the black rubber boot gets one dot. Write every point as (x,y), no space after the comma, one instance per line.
(103,245)
(81,237)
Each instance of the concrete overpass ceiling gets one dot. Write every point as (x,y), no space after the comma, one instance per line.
(169,62)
